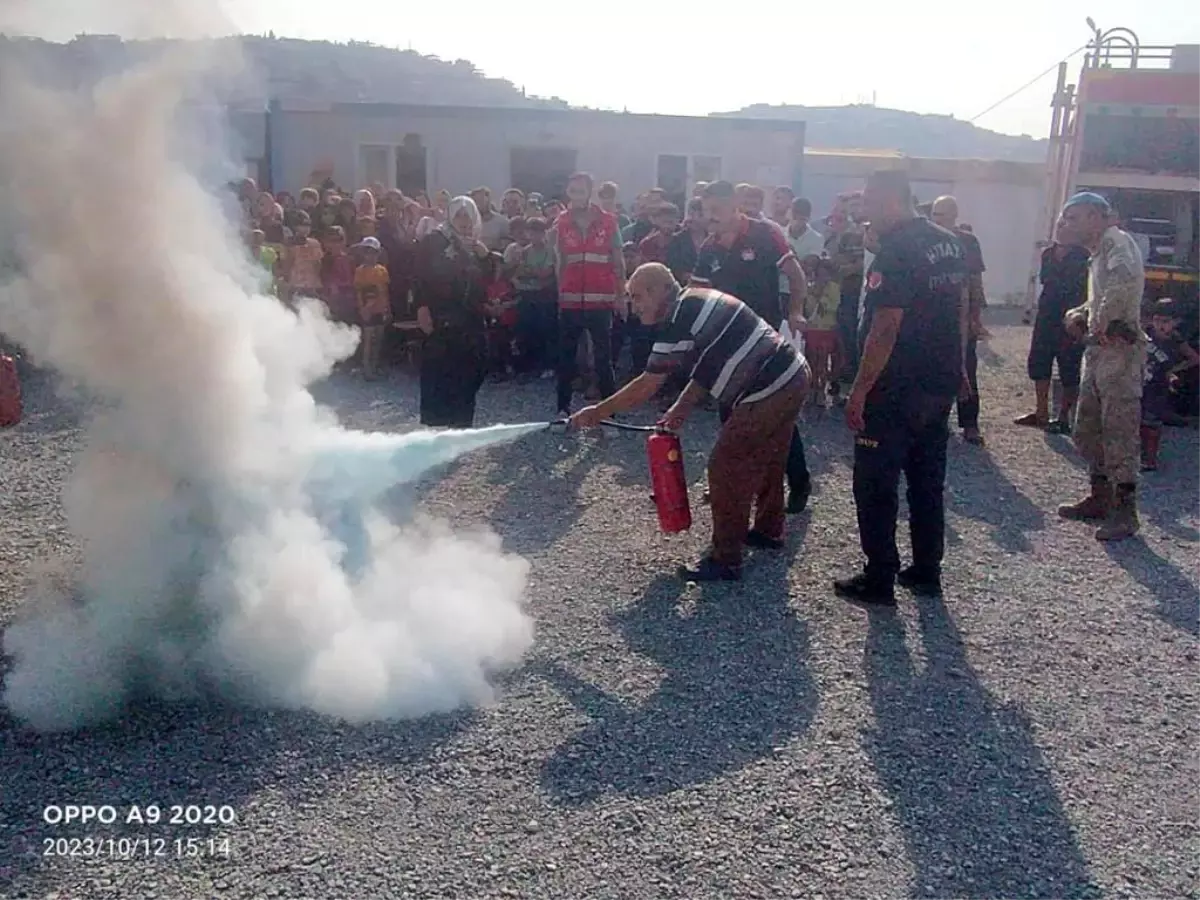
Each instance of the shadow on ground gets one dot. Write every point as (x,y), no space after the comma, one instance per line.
(972,793)
(735,687)
(183,754)
(539,483)
(977,488)
(1176,600)
(1170,498)
(1065,447)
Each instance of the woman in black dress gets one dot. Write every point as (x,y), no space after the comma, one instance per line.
(452,269)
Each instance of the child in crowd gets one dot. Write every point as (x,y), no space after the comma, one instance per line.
(531,265)
(367,226)
(310,199)
(308,203)
(302,261)
(338,277)
(821,333)
(374,303)
(1167,356)
(502,307)
(266,256)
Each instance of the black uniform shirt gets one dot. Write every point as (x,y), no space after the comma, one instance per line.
(1064,283)
(748,268)
(921,269)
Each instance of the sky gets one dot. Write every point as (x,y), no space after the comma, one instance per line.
(955,58)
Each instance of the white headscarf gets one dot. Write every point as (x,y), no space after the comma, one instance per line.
(457,205)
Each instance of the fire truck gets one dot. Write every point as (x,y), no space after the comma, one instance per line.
(1129,129)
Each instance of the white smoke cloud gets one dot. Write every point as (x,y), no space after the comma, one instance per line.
(228,529)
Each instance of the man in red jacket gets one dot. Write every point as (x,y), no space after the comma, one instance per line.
(590,266)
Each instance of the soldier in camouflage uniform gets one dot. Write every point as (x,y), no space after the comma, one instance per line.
(1108,413)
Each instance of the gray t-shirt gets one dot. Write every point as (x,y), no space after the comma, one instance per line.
(494,232)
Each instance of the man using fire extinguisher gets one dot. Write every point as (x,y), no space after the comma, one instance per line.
(759,381)
(910,371)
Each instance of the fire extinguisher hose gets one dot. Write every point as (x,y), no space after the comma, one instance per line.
(618,426)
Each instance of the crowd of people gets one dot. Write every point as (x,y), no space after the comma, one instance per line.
(739,300)
(374,257)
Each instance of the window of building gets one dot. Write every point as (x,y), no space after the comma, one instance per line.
(673,177)
(374,163)
(1153,145)
(677,173)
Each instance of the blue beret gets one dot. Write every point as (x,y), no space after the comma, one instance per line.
(1088,198)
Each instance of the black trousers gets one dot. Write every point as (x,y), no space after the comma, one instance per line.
(453,364)
(641,340)
(905,434)
(798,476)
(537,329)
(847,327)
(968,410)
(572,323)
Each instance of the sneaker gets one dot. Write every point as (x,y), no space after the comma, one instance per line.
(863,589)
(1032,420)
(919,582)
(1058,426)
(709,570)
(761,541)
(973,437)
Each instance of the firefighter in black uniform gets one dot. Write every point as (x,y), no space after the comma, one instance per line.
(910,373)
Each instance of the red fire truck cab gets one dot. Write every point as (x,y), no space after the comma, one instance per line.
(1130,130)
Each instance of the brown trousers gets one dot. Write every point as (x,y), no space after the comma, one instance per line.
(747,468)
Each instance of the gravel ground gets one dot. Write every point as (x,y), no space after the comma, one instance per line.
(1032,735)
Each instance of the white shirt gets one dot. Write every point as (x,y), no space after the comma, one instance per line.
(868,258)
(808,243)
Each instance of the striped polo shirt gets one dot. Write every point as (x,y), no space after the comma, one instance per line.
(729,351)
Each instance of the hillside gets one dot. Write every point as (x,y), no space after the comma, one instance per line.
(292,70)
(321,72)
(914,134)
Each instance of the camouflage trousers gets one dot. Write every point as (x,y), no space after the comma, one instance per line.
(1109,412)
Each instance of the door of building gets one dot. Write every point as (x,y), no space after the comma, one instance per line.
(673,178)
(411,168)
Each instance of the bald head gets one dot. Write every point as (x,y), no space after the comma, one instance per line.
(945,211)
(652,287)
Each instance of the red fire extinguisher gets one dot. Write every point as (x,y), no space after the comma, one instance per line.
(669,482)
(10,392)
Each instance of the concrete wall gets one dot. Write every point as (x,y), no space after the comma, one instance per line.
(468,147)
(1001,201)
